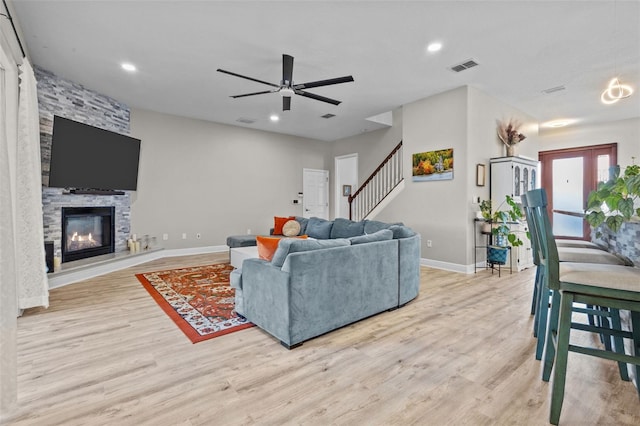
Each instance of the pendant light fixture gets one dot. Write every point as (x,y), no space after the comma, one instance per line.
(615,91)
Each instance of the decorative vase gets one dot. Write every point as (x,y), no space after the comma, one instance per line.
(497,255)
(511,150)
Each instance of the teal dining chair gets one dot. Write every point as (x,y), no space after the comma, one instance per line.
(575,252)
(608,286)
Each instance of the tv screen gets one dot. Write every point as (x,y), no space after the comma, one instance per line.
(85,157)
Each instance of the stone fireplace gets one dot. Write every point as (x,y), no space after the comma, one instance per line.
(87,232)
(65,98)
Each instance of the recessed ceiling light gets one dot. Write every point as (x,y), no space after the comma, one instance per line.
(128,67)
(434,47)
(274,117)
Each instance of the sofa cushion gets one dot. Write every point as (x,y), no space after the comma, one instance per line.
(381,235)
(319,228)
(278,223)
(296,245)
(402,231)
(303,224)
(291,228)
(371,226)
(267,246)
(345,228)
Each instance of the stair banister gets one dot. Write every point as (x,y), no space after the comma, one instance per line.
(378,185)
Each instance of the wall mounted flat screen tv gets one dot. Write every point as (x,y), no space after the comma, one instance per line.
(86,157)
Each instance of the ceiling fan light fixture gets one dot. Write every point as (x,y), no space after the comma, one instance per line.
(615,91)
(287,92)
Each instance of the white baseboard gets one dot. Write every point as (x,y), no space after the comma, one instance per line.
(446,266)
(194,250)
(73,275)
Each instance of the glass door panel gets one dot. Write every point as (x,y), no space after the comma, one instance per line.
(568,175)
(568,196)
(603,168)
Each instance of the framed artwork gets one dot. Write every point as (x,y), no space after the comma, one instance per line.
(480,175)
(346,190)
(433,165)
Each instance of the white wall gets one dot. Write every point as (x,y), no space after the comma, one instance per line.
(437,210)
(483,144)
(463,119)
(371,147)
(625,132)
(217,180)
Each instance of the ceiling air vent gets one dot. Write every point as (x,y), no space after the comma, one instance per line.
(553,89)
(327,116)
(469,63)
(246,120)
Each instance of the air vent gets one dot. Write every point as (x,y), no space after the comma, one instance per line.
(553,89)
(469,63)
(327,116)
(246,120)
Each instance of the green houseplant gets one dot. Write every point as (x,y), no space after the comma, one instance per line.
(500,218)
(613,203)
(485,212)
(497,253)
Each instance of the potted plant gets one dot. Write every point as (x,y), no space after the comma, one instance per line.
(485,211)
(497,253)
(618,197)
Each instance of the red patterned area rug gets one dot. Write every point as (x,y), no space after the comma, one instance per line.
(199,299)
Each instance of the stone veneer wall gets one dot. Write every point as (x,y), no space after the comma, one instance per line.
(626,241)
(64,98)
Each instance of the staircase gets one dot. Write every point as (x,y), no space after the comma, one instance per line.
(386,181)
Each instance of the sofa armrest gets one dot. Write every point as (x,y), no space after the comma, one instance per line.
(266,297)
(409,268)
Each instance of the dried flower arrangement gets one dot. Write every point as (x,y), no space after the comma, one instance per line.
(509,132)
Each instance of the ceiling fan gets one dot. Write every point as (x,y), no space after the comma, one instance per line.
(287,89)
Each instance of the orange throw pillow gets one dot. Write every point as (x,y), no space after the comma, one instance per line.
(278,223)
(267,247)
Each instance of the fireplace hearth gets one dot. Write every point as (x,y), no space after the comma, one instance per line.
(87,232)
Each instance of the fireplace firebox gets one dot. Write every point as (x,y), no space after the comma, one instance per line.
(87,232)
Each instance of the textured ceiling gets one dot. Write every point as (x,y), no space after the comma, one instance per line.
(522,47)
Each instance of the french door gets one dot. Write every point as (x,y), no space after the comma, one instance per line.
(568,176)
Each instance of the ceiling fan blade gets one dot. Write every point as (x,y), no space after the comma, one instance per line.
(287,70)
(339,80)
(286,103)
(317,97)
(248,78)
(254,93)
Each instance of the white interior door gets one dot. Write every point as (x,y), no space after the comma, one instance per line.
(315,199)
(346,173)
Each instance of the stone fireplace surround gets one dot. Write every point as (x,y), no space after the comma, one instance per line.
(61,97)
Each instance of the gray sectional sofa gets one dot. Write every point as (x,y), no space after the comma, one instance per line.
(347,272)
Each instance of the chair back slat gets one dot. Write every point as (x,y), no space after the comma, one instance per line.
(535,244)
(547,251)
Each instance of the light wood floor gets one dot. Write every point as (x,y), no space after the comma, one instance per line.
(461,353)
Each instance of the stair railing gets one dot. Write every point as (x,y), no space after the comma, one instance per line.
(381,182)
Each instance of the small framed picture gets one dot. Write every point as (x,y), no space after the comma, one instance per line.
(346,190)
(480,175)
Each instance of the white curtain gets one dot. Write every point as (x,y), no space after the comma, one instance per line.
(8,296)
(33,287)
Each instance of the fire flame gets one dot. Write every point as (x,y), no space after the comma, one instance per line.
(76,237)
